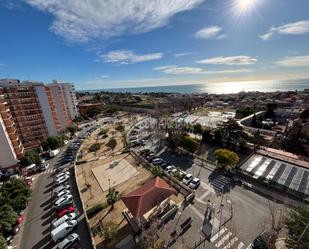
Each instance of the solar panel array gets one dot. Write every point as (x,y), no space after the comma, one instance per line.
(280,172)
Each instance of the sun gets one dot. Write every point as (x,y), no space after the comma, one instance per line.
(245,5)
(243,8)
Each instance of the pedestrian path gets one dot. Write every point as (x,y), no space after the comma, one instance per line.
(221,183)
(226,239)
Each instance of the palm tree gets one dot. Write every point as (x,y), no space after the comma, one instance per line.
(112,196)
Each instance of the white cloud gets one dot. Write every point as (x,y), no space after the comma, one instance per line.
(125,57)
(210,32)
(177,55)
(183,70)
(296,28)
(196,70)
(294,61)
(81,21)
(232,60)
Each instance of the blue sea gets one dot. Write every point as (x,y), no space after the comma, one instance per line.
(220,88)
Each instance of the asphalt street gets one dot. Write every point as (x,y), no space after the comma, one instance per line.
(40,214)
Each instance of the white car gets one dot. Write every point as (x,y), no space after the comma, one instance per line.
(67,217)
(61,188)
(187,179)
(62,179)
(62,193)
(68,241)
(63,201)
(170,168)
(194,183)
(63,174)
(63,230)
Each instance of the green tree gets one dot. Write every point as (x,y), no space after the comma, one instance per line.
(197,129)
(258,139)
(7,218)
(112,143)
(244,112)
(30,157)
(207,137)
(298,230)
(157,170)
(94,147)
(119,128)
(53,142)
(15,193)
(3,244)
(232,133)
(112,196)
(189,143)
(226,159)
(72,129)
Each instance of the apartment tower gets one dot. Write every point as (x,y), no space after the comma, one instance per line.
(11,148)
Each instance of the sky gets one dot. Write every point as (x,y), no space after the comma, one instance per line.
(100,44)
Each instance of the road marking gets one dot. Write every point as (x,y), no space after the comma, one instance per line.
(240,245)
(230,243)
(218,234)
(197,212)
(222,240)
(250,246)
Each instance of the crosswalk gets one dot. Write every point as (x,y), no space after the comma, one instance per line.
(225,239)
(221,183)
(48,171)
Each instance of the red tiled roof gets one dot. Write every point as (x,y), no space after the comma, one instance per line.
(146,197)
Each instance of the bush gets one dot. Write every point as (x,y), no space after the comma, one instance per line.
(190,144)
(120,128)
(3,244)
(112,143)
(95,209)
(103,132)
(95,147)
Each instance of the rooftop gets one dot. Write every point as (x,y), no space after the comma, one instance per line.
(146,197)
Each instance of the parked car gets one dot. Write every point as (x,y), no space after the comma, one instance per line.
(187,179)
(62,179)
(65,211)
(63,193)
(169,168)
(63,202)
(68,241)
(61,188)
(67,217)
(195,183)
(63,230)
(62,174)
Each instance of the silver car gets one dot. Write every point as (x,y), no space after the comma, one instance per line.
(68,241)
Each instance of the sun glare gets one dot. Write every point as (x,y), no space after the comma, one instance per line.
(245,5)
(243,8)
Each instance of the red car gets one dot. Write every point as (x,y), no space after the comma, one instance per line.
(66,210)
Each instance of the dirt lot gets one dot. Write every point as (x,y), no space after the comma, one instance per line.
(99,171)
(93,193)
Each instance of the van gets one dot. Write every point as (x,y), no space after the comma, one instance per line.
(67,217)
(63,230)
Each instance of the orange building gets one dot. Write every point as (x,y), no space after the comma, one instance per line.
(11,148)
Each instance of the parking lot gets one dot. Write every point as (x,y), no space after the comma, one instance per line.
(42,210)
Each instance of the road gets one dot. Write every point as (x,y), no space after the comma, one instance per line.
(250,211)
(37,227)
